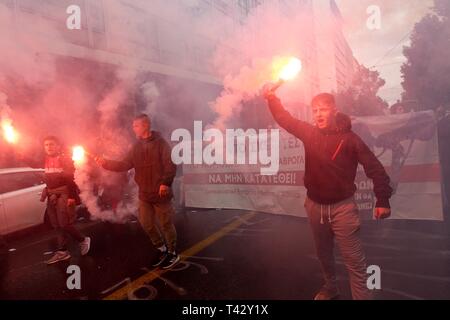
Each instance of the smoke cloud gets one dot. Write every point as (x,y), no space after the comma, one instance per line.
(92,103)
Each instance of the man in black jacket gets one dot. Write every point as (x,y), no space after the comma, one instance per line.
(332,154)
(154,174)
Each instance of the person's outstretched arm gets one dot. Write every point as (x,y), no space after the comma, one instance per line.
(118,166)
(298,128)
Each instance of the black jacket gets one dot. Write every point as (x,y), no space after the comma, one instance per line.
(151,159)
(332,157)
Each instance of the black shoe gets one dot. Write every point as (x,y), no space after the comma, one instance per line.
(172,259)
(162,256)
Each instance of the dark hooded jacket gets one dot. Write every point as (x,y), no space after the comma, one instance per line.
(332,157)
(151,159)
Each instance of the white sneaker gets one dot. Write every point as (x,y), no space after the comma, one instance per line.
(85,245)
(327,294)
(59,256)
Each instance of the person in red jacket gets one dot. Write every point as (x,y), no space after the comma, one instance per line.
(62,195)
(332,154)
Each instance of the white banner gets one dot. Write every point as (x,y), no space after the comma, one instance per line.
(406,145)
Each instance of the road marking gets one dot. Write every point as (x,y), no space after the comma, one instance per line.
(122,293)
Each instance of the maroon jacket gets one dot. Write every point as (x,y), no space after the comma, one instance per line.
(59,172)
(332,157)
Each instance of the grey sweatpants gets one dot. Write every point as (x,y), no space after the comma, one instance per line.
(339,221)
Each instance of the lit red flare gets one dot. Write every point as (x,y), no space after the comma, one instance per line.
(286,68)
(79,155)
(9,133)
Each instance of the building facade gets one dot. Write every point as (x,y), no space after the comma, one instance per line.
(123,31)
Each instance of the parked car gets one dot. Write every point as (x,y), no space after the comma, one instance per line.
(20,205)
(20,193)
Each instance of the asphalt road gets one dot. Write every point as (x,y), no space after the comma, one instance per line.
(227,255)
